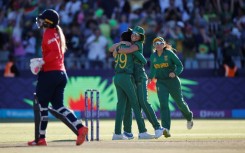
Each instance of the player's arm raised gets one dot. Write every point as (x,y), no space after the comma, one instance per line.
(114,46)
(131,49)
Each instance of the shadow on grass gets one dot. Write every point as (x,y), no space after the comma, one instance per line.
(14,146)
(62,140)
(53,143)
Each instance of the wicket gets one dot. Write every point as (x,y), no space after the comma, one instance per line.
(92,116)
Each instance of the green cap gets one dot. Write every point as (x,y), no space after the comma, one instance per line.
(139,30)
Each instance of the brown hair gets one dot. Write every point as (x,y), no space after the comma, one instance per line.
(169,47)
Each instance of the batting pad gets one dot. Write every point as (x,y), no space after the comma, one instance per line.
(37,117)
(63,118)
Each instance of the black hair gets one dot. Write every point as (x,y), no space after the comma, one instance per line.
(126,36)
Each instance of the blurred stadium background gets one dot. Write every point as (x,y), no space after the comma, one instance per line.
(208,35)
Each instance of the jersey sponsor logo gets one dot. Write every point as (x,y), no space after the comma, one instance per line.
(162,65)
(56,36)
(51,40)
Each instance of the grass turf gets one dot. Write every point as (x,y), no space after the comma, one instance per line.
(206,136)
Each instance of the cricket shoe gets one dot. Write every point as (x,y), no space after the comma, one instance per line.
(119,137)
(190,124)
(145,135)
(82,132)
(166,133)
(40,142)
(159,132)
(128,135)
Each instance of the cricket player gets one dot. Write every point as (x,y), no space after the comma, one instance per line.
(165,67)
(52,79)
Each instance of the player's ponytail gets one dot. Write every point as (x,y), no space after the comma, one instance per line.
(62,39)
(169,47)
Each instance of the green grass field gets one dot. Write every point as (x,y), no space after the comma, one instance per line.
(216,136)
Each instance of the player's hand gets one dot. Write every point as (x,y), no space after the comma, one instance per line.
(36,65)
(172,75)
(114,54)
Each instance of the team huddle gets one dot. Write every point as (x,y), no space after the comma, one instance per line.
(131,84)
(130,80)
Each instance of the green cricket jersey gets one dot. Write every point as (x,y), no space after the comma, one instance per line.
(139,70)
(162,65)
(126,91)
(140,78)
(124,62)
(140,45)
